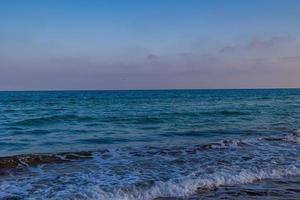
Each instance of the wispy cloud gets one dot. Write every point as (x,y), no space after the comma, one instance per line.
(291,58)
(257,44)
(152,57)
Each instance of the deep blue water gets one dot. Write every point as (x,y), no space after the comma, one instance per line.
(148,144)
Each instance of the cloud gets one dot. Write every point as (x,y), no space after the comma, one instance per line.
(257,44)
(257,65)
(185,54)
(152,57)
(291,58)
(228,49)
(67,60)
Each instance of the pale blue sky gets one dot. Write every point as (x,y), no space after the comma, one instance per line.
(149,44)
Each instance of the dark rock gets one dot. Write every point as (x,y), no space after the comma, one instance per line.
(202,190)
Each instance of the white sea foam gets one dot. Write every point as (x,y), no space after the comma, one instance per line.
(293,137)
(146,173)
(188,185)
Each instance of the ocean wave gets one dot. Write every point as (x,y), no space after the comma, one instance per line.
(149,172)
(293,137)
(16,161)
(143,120)
(190,185)
(52,119)
(197,183)
(205,113)
(26,160)
(230,143)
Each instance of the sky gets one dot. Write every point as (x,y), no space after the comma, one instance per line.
(149,44)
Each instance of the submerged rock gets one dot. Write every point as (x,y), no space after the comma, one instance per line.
(11,162)
(202,190)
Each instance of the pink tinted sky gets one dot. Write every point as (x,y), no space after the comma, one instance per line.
(130,44)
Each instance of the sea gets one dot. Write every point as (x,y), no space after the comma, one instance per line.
(150,144)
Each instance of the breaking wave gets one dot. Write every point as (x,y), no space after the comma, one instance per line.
(26,160)
(150,172)
(190,185)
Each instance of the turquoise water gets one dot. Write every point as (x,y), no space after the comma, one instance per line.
(148,144)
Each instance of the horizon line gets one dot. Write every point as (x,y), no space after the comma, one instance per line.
(145,89)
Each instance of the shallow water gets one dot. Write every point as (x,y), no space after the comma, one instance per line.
(184,144)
